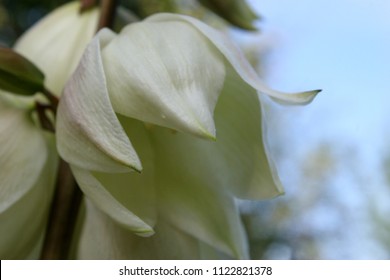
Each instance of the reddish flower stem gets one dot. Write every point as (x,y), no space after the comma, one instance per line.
(63,215)
(107,16)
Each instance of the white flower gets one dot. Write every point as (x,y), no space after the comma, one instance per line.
(27,178)
(176,99)
(28,156)
(56,43)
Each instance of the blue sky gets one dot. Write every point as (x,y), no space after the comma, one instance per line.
(342,47)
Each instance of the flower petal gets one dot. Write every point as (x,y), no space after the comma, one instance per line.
(115,242)
(109,203)
(237,60)
(165,74)
(89,134)
(192,201)
(128,198)
(28,169)
(19,241)
(242,142)
(57,42)
(239,159)
(23,154)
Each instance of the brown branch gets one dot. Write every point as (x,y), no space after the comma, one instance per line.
(63,215)
(107,10)
(45,122)
(86,5)
(52,99)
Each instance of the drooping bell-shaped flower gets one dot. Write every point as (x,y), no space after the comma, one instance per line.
(28,157)
(176,101)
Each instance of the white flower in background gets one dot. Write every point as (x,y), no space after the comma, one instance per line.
(28,158)
(56,43)
(27,178)
(176,101)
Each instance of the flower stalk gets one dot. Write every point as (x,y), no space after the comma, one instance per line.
(87,4)
(107,10)
(44,121)
(63,215)
(52,99)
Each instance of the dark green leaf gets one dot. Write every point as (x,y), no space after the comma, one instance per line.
(19,75)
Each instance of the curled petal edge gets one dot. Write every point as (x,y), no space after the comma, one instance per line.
(86,118)
(103,200)
(238,61)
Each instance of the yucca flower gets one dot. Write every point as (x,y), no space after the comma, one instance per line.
(177,102)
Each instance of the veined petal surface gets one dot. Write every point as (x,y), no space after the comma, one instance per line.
(237,60)
(23,154)
(115,242)
(28,166)
(56,43)
(191,201)
(89,134)
(108,203)
(128,198)
(166,74)
(242,143)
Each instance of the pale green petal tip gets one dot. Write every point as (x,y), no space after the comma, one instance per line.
(310,95)
(144,232)
(277,189)
(302,98)
(212,137)
(132,167)
(203,131)
(256,195)
(135,166)
(280,192)
(209,135)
